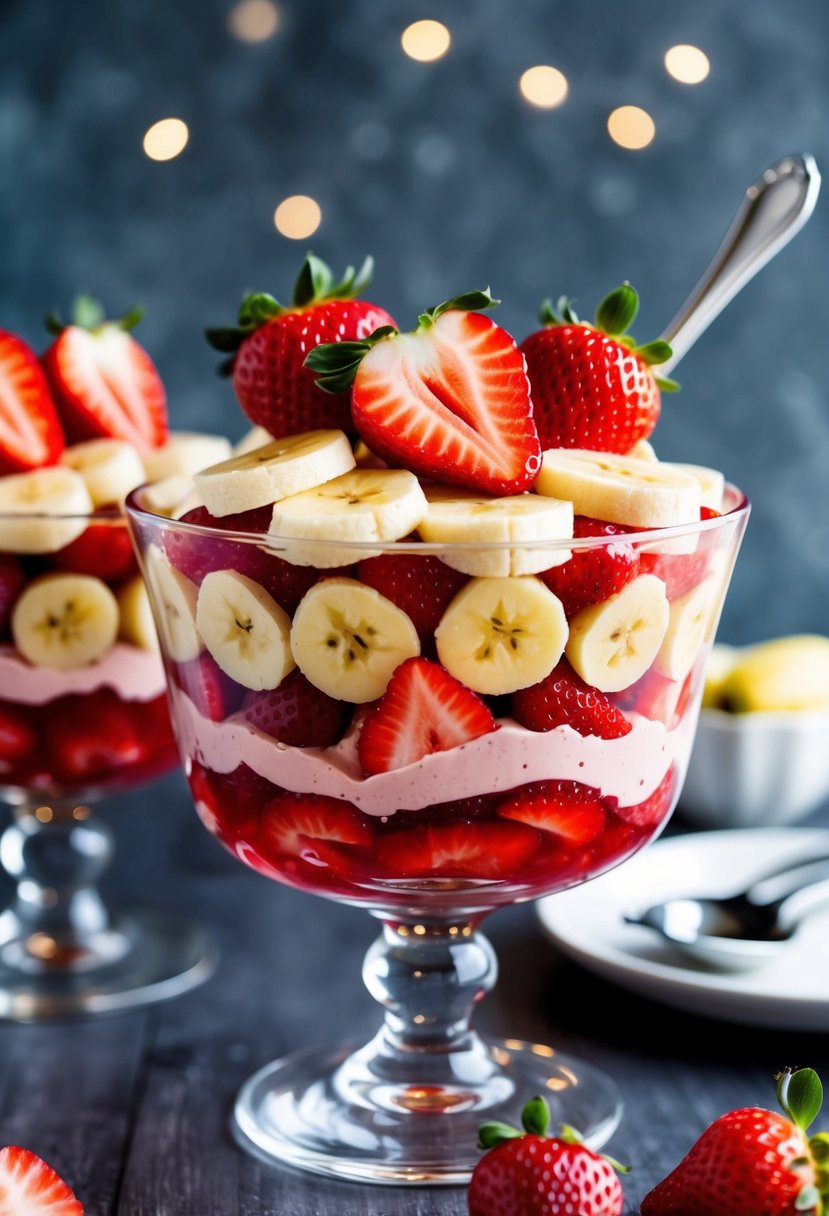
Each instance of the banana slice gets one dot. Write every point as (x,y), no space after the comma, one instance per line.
(65,621)
(365,458)
(170,497)
(136,624)
(613,643)
(186,453)
(643,450)
(175,602)
(277,470)
(42,511)
(711,484)
(348,639)
(245,630)
(502,634)
(466,517)
(110,468)
(255,438)
(688,623)
(363,505)
(620,489)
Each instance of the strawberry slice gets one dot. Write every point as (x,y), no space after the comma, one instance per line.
(593,575)
(215,695)
(104,550)
(651,811)
(311,827)
(423,710)
(30,430)
(563,699)
(30,1187)
(296,713)
(482,850)
(450,401)
(104,382)
(567,809)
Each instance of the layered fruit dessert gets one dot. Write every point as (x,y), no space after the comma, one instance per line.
(444,630)
(82,690)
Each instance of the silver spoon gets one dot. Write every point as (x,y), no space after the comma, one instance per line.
(744,930)
(775,208)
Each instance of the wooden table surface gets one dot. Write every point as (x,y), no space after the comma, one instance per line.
(134,1110)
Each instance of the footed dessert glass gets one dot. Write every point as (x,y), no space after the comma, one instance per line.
(516,793)
(83,716)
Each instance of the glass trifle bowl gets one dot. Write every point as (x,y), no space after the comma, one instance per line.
(431,731)
(83,717)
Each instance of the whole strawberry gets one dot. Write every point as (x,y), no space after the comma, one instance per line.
(754,1162)
(270,342)
(530,1174)
(592,386)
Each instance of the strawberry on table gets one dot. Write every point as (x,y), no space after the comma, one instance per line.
(563,699)
(572,811)
(450,401)
(593,575)
(30,431)
(268,346)
(491,850)
(105,383)
(592,386)
(754,1162)
(528,1173)
(30,1187)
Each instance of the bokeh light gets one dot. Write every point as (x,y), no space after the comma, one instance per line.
(253,20)
(426,40)
(543,86)
(631,127)
(298,217)
(166,139)
(687,64)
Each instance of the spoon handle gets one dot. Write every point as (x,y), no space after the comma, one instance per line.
(775,208)
(786,881)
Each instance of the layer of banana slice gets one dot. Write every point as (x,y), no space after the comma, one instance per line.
(347,639)
(245,630)
(621,489)
(613,643)
(255,438)
(643,449)
(459,516)
(363,505)
(42,511)
(502,634)
(277,470)
(175,600)
(136,624)
(65,621)
(171,497)
(711,484)
(110,468)
(688,623)
(186,453)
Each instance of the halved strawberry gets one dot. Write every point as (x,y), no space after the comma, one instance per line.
(30,1187)
(593,575)
(423,710)
(568,809)
(104,382)
(103,550)
(423,587)
(652,810)
(296,713)
(450,401)
(30,431)
(311,827)
(563,699)
(480,850)
(210,689)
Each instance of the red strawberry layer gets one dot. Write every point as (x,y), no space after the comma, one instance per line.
(296,713)
(103,550)
(489,850)
(423,587)
(568,809)
(592,576)
(563,699)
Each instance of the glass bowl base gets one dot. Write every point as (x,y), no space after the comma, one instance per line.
(330,1111)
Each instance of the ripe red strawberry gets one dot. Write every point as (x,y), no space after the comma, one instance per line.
(682,571)
(103,550)
(593,575)
(568,809)
(215,695)
(753,1162)
(30,1187)
(592,386)
(296,713)
(92,737)
(104,382)
(530,1174)
(268,347)
(312,827)
(449,401)
(423,710)
(457,850)
(653,809)
(30,431)
(12,582)
(423,587)
(563,699)
(17,736)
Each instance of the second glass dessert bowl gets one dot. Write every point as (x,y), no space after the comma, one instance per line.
(431,731)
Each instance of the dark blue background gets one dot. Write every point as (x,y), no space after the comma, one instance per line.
(452,181)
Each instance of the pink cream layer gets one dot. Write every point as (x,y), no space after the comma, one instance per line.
(629,769)
(134,674)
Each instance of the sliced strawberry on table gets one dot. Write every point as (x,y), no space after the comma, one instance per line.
(423,710)
(592,386)
(593,575)
(104,382)
(423,587)
(312,828)
(30,1187)
(268,347)
(652,810)
(449,401)
(563,699)
(12,582)
(103,550)
(568,809)
(210,689)
(30,430)
(457,850)
(296,713)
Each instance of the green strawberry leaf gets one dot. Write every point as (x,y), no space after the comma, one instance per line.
(654,352)
(493,1133)
(666,385)
(337,362)
(808,1200)
(313,282)
(562,313)
(617,311)
(87,313)
(470,301)
(535,1117)
(223,338)
(800,1095)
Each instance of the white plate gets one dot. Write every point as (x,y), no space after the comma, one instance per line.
(587,922)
